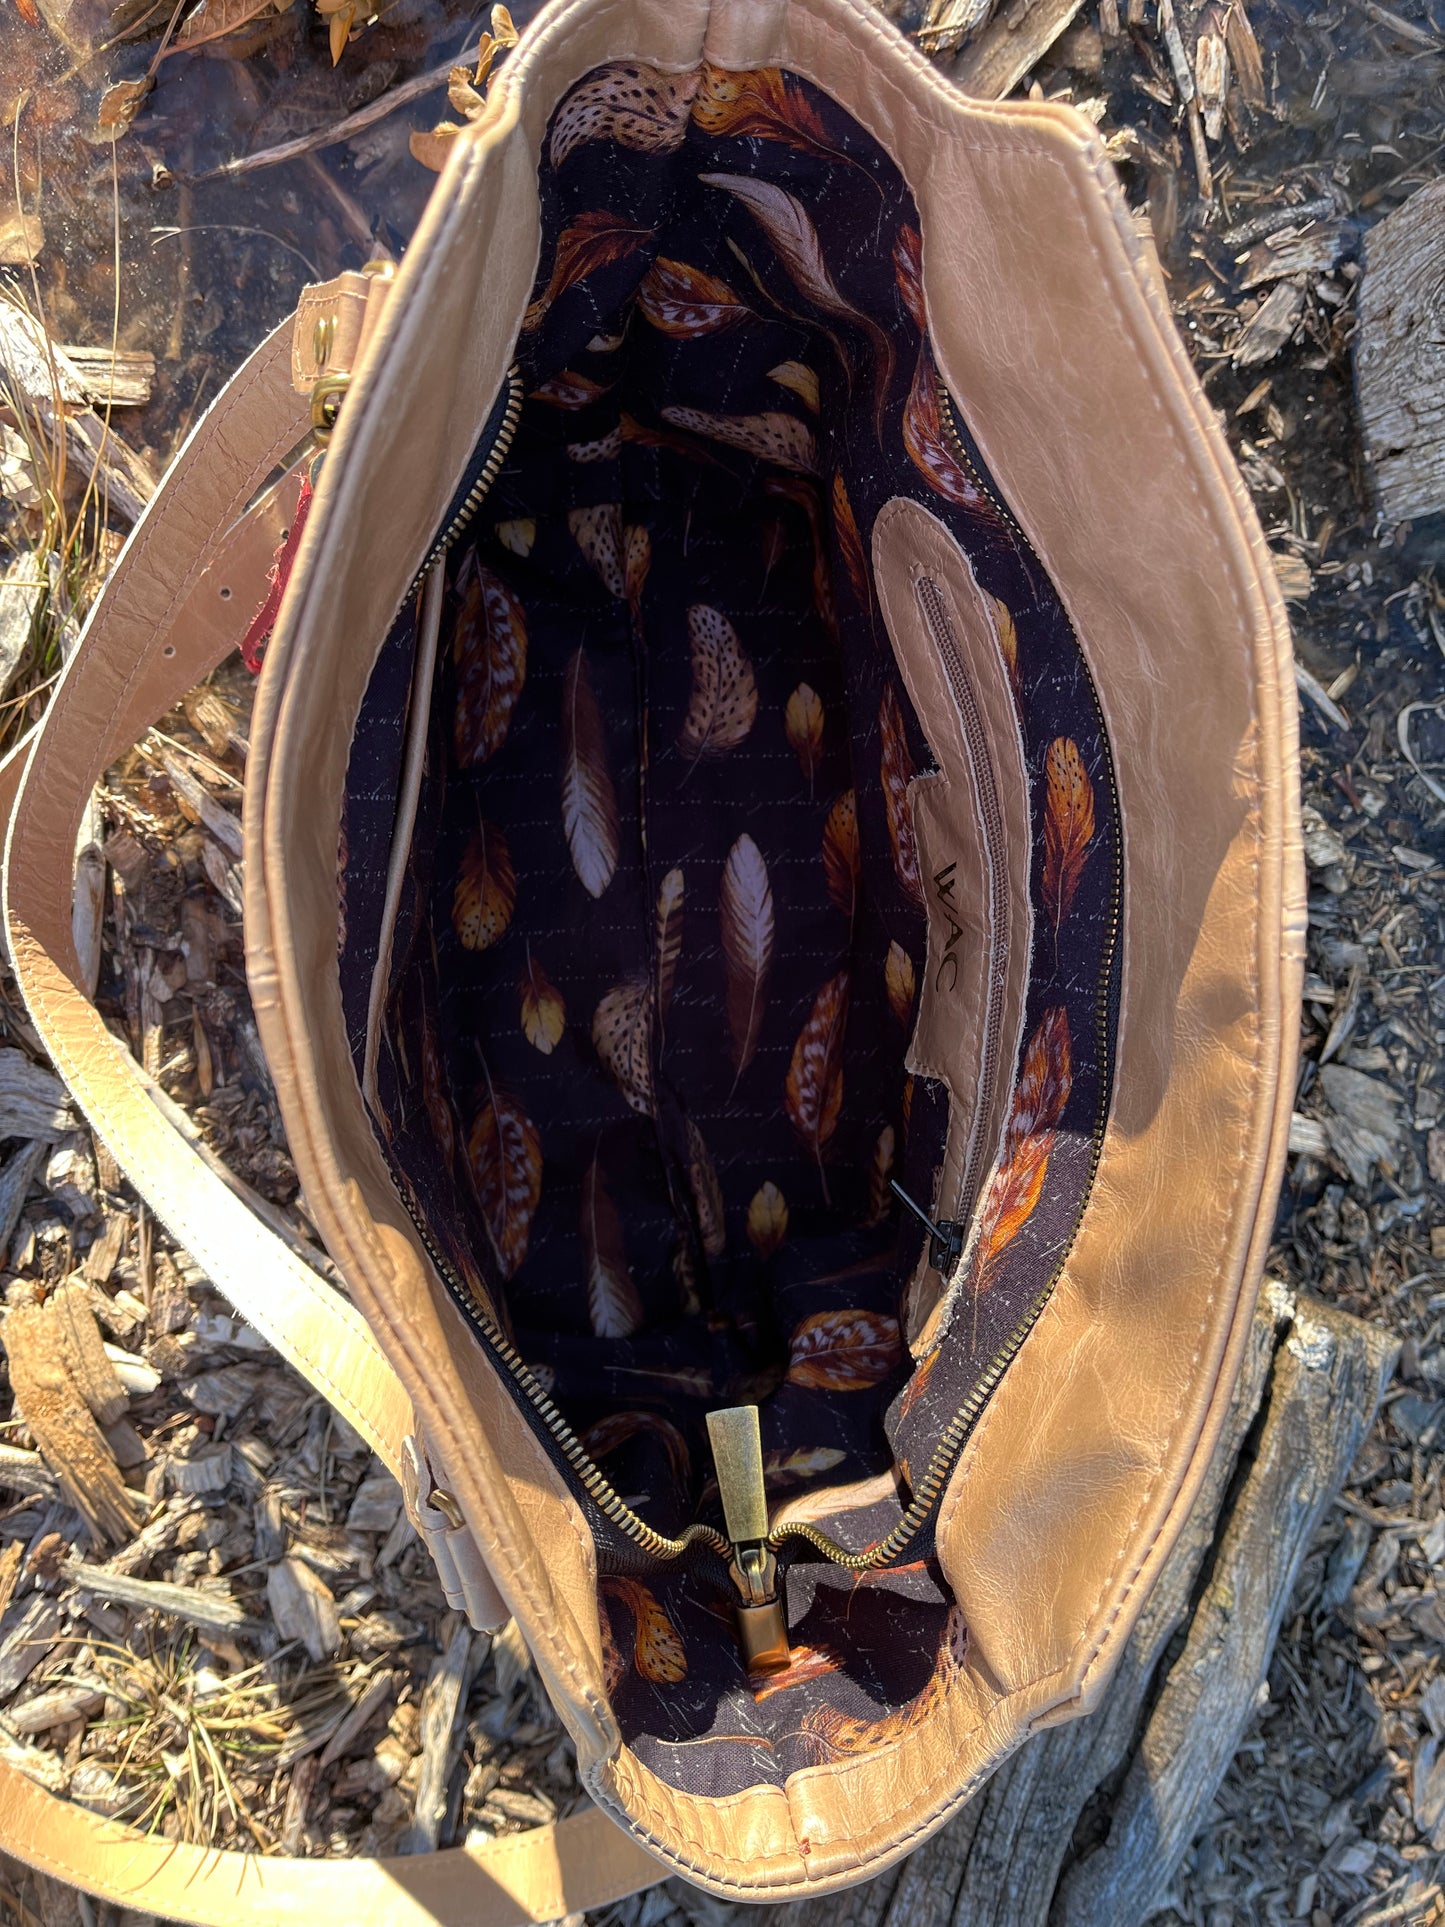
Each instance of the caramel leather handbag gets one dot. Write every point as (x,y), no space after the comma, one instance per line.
(773,909)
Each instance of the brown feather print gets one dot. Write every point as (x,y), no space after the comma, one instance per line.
(1008,641)
(622,1038)
(843,1351)
(908,272)
(771,436)
(641,108)
(589,802)
(669,936)
(767,1220)
(836,1735)
(612,1301)
(486,890)
(803,727)
(544,1014)
(746,908)
(594,240)
(800,380)
(707,1195)
(804,494)
(899,982)
(842,858)
(434,1094)
(636,561)
(1045,1080)
(614,1431)
(489,647)
(896,769)
(794,239)
(880,1197)
(724,702)
(606,448)
(759,103)
(813,1092)
(597,531)
(850,544)
(504,1157)
(1068,826)
(684,302)
(929,449)
(657,1650)
(570,390)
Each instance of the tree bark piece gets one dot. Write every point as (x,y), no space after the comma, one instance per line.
(1329,1375)
(1016,41)
(38,1341)
(441,1704)
(1400,356)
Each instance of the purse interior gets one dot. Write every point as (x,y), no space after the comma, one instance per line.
(662,1004)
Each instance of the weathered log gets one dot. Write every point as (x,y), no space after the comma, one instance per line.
(1400,356)
(1005,1860)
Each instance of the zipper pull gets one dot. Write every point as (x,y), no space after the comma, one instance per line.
(946,1238)
(737,1450)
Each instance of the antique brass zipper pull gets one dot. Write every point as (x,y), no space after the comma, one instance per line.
(737,1451)
(946,1238)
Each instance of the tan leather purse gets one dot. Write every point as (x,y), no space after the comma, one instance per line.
(781,727)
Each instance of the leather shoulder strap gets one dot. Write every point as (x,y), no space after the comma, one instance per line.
(188,578)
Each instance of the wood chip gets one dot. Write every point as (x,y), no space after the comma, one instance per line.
(119,378)
(441,1704)
(1015,42)
(1270,326)
(303,1608)
(33,1101)
(1400,356)
(212,1611)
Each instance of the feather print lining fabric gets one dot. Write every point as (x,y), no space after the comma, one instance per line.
(644,1073)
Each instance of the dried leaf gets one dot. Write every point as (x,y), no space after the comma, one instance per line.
(120,104)
(1068,826)
(746,908)
(1038,1103)
(433,146)
(682,301)
(622,1037)
(803,725)
(724,701)
(850,544)
(658,1652)
(842,858)
(706,1194)
(843,1351)
(489,647)
(212,18)
(767,1220)
(594,240)
(896,768)
(612,1301)
(772,437)
(597,531)
(544,1015)
(486,891)
(462,95)
(589,802)
(899,982)
(801,379)
(640,108)
(814,1089)
(669,936)
(504,1157)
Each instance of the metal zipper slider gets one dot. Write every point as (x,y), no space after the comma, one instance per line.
(737,1450)
(946,1239)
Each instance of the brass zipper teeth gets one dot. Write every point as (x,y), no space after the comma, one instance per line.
(477,493)
(599,1490)
(940,628)
(940,1466)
